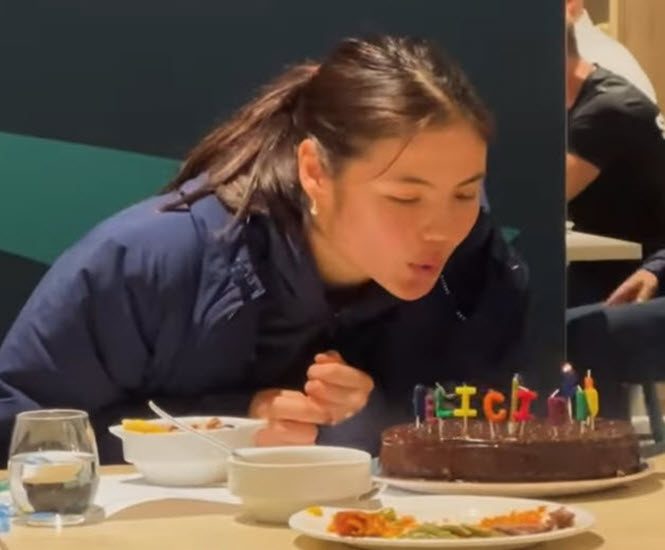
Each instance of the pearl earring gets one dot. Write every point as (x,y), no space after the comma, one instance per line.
(312,209)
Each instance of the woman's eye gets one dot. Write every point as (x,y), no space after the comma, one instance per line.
(404,200)
(471,197)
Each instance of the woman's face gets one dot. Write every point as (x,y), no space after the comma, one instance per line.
(396,214)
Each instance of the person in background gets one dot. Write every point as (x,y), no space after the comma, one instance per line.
(316,254)
(621,339)
(642,285)
(615,169)
(597,47)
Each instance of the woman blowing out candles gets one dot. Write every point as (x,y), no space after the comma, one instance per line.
(278,274)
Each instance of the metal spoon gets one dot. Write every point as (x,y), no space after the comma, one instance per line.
(186,427)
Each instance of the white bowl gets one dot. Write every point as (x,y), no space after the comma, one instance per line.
(275,482)
(180,458)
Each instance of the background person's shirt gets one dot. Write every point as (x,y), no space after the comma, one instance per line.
(618,129)
(596,47)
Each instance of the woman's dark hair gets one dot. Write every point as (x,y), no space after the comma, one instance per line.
(365,90)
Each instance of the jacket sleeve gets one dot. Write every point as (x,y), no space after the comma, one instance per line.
(82,339)
(656,264)
(86,336)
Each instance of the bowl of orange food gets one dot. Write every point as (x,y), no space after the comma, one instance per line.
(166,455)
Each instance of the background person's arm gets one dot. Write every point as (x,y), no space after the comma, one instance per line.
(643,284)
(579,175)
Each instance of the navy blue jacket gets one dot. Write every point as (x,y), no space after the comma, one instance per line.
(175,306)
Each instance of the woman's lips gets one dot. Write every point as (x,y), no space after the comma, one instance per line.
(422,268)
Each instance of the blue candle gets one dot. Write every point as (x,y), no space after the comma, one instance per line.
(419,397)
(569,383)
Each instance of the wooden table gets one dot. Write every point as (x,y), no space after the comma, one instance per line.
(587,247)
(629,517)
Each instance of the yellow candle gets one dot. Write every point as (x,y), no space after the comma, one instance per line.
(513,398)
(465,410)
(591,395)
(592,401)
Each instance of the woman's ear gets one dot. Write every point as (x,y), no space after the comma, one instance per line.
(311,170)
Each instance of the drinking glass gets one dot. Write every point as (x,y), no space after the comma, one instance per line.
(53,466)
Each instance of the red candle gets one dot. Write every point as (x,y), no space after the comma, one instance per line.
(430,415)
(524,397)
(557,410)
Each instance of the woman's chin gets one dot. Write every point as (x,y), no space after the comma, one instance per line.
(411,291)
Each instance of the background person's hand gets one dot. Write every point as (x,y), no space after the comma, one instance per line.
(639,287)
(292,416)
(342,390)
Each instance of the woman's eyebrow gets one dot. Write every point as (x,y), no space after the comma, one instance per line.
(420,181)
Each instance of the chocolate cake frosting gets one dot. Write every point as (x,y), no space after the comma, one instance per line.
(536,452)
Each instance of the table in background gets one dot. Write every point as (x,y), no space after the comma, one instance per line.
(588,247)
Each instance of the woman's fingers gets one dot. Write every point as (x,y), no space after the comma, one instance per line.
(340,374)
(341,389)
(296,406)
(279,404)
(336,396)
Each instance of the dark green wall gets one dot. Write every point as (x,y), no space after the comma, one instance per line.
(149,77)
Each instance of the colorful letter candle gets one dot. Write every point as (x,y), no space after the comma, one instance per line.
(419,394)
(581,406)
(557,409)
(592,398)
(514,388)
(569,382)
(525,396)
(429,407)
(492,398)
(440,403)
(465,411)
(568,385)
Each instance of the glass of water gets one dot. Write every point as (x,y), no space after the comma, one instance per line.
(53,466)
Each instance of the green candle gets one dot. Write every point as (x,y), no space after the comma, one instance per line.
(440,403)
(581,405)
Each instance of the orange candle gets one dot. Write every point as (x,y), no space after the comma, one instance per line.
(492,398)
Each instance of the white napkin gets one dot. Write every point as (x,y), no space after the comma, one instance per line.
(117,492)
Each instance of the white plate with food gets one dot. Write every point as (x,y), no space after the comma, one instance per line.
(166,455)
(522,489)
(460,522)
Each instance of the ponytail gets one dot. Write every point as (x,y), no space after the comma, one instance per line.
(251,158)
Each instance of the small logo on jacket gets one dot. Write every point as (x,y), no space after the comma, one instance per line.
(660,122)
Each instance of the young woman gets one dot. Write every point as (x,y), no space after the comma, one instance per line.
(293,269)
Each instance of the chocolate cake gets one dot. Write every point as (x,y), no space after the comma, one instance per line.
(537,451)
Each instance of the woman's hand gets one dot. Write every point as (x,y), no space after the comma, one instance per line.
(340,389)
(292,416)
(639,287)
